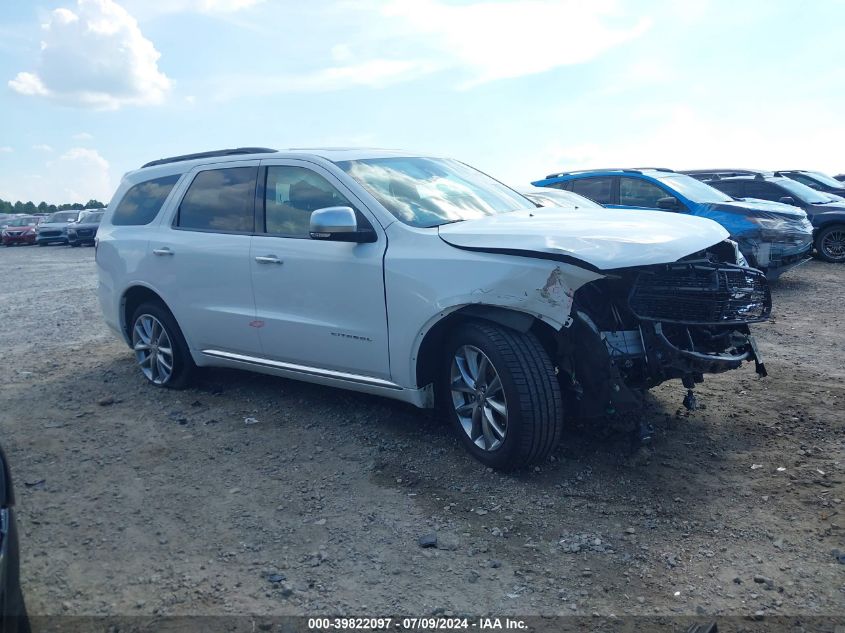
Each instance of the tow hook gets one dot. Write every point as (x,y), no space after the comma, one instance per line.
(690,401)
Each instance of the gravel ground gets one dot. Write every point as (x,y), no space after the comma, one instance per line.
(134,500)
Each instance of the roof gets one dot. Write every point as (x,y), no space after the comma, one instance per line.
(185,162)
(625,170)
(242,153)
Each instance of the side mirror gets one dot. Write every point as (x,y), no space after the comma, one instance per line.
(787,200)
(669,203)
(338,224)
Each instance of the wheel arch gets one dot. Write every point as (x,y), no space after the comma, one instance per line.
(134,296)
(434,337)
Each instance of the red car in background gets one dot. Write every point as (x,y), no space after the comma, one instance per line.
(20,230)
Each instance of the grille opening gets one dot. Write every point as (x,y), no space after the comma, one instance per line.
(695,293)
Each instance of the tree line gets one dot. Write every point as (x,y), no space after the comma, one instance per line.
(42,207)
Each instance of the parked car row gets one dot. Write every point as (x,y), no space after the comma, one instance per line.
(775,219)
(421,279)
(63,227)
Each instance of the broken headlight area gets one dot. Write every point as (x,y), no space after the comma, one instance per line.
(635,330)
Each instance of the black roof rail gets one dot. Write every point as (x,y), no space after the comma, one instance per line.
(726,172)
(219,152)
(666,169)
(585,171)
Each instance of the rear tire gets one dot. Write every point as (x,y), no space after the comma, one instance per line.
(502,395)
(160,348)
(830,243)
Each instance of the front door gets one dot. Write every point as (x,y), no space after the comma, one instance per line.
(319,304)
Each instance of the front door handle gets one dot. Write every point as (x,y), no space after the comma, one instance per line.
(162,251)
(268,259)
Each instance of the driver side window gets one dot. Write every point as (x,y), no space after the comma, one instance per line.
(634,192)
(291,194)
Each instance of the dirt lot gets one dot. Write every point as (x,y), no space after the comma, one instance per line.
(134,500)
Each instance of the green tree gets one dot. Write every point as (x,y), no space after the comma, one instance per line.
(94,204)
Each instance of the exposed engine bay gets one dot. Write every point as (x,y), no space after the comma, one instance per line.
(638,327)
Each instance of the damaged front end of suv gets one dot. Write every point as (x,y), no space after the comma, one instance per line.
(638,327)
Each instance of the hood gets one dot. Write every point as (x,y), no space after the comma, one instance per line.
(825,213)
(753,204)
(605,239)
(836,207)
(83,225)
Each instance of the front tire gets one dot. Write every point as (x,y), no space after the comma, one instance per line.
(502,395)
(830,243)
(160,349)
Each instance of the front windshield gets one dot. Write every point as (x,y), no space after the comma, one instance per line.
(557,198)
(63,216)
(803,192)
(90,218)
(23,222)
(824,179)
(427,192)
(695,190)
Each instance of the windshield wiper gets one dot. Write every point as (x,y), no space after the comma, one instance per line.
(450,222)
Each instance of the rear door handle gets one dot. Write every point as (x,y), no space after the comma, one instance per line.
(162,251)
(268,259)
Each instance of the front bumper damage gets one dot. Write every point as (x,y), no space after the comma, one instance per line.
(777,250)
(637,329)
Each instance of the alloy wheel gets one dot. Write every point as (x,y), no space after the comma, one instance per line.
(833,244)
(478,398)
(153,349)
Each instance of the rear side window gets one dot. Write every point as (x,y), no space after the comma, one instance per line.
(142,202)
(220,200)
(597,189)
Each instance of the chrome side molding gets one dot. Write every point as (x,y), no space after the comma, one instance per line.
(302,369)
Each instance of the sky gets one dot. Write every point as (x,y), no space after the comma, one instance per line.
(91,89)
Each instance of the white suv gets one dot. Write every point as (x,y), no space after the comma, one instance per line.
(419,279)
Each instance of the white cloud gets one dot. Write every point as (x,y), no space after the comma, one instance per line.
(375,73)
(147,9)
(95,56)
(42,147)
(76,176)
(499,40)
(224,6)
(82,136)
(396,41)
(5,149)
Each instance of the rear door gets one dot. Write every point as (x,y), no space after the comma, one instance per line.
(200,258)
(320,304)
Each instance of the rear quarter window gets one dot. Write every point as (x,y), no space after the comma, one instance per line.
(142,202)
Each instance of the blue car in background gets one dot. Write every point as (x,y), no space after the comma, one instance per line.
(773,237)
